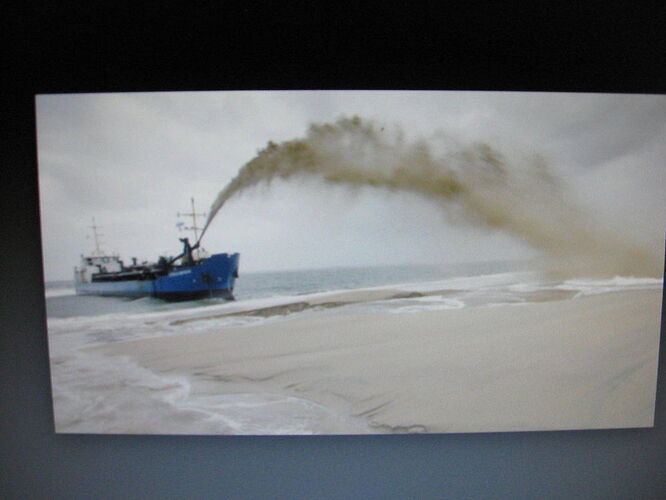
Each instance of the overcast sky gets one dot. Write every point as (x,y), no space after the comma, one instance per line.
(133,161)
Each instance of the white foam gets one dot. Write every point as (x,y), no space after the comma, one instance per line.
(624,281)
(471,282)
(93,393)
(58,292)
(618,283)
(433,304)
(526,287)
(276,414)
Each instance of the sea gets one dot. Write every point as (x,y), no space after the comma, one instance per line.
(62,302)
(97,394)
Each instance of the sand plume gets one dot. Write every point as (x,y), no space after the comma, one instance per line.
(474,183)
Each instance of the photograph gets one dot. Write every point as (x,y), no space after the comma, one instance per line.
(351,262)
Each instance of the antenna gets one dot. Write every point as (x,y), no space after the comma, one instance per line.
(194,216)
(96,235)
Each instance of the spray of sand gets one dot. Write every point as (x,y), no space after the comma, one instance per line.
(473,183)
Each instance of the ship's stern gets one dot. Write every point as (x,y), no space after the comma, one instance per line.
(212,277)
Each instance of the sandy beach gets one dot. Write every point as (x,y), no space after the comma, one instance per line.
(583,363)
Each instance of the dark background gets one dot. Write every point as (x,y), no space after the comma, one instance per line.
(227,46)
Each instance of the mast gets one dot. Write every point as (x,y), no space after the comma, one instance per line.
(94,227)
(194,226)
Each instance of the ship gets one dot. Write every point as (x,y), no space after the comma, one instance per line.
(191,275)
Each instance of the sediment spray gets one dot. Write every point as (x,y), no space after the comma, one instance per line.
(473,183)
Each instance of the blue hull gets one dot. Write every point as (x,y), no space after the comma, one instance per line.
(212,277)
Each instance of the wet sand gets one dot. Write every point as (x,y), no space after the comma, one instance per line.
(585,363)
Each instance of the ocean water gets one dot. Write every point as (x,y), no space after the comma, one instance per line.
(62,302)
(99,394)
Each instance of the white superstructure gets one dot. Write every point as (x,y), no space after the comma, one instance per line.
(96,264)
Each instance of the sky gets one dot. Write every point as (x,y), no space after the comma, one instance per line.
(133,161)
